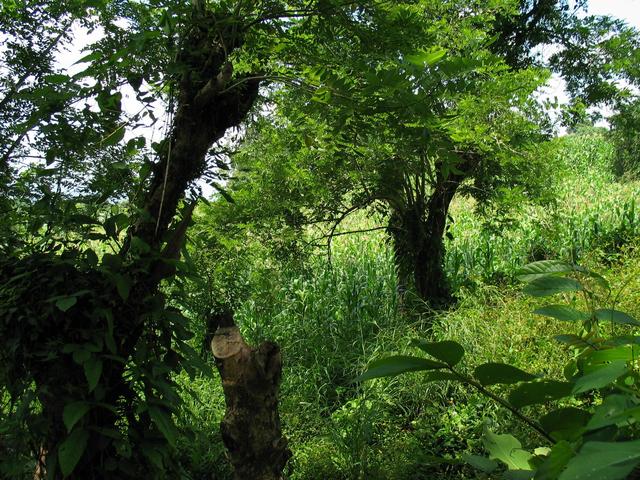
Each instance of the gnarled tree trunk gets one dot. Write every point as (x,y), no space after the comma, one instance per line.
(251,425)
(418,229)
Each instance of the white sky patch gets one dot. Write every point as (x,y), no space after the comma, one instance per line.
(67,59)
(627,10)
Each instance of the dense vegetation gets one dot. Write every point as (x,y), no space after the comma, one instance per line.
(391,196)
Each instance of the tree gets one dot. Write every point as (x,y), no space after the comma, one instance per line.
(409,121)
(400,125)
(88,333)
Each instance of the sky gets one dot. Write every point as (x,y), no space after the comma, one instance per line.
(628,10)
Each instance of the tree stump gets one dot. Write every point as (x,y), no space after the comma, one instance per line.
(251,425)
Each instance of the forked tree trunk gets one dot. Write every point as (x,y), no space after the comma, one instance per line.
(418,236)
(429,274)
(251,425)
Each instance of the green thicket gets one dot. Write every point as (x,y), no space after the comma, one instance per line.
(332,318)
(111,286)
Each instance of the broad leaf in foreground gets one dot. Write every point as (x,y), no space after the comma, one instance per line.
(395,365)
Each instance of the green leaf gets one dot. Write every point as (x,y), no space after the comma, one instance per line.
(565,423)
(66,303)
(518,475)
(615,316)
(500,373)
(395,365)
(92,370)
(603,461)
(562,312)
(615,410)
(222,191)
(80,355)
(606,355)
(538,392)
(123,285)
(446,351)
(555,462)
(91,257)
(73,412)
(544,268)
(545,286)
(71,450)
(483,464)
(112,262)
(89,58)
(507,449)
(114,137)
(428,57)
(164,423)
(56,78)
(601,377)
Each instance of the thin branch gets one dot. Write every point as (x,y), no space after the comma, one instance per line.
(373,229)
(344,215)
(528,421)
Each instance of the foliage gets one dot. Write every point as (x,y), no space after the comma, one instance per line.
(592,442)
(378,104)
(625,126)
(589,216)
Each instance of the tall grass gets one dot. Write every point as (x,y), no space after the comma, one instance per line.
(331,319)
(592,214)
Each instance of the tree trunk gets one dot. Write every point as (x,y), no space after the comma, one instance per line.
(429,275)
(251,425)
(207,106)
(418,230)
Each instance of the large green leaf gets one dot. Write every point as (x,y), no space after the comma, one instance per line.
(492,373)
(518,475)
(555,462)
(607,355)
(600,377)
(603,461)
(428,57)
(92,370)
(562,312)
(543,268)
(565,423)
(164,423)
(615,316)
(447,351)
(395,365)
(615,410)
(123,285)
(73,412)
(114,137)
(538,392)
(507,449)
(65,303)
(546,286)
(483,464)
(71,450)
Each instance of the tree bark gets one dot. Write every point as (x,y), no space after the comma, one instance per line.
(418,230)
(251,425)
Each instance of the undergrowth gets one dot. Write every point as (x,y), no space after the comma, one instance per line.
(332,318)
